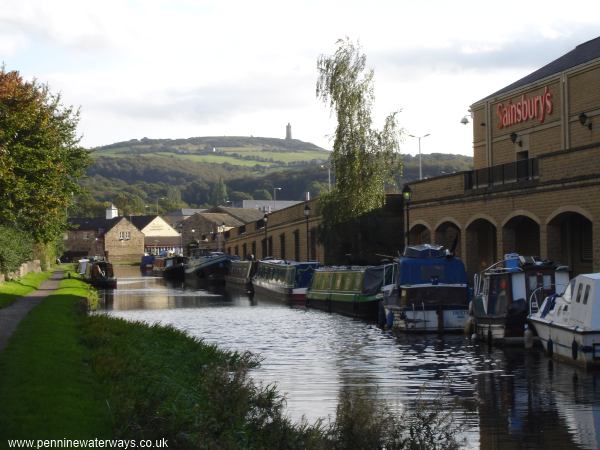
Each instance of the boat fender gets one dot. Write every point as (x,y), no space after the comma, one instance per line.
(471,308)
(489,336)
(550,347)
(381,319)
(474,337)
(390,320)
(528,337)
(574,349)
(468,328)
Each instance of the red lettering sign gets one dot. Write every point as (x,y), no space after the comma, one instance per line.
(527,108)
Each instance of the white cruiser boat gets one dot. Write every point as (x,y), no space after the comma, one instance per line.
(568,324)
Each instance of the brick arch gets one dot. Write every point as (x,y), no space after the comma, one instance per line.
(521,212)
(448,233)
(448,219)
(419,233)
(569,209)
(482,216)
(521,233)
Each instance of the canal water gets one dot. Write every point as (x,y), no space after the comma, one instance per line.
(508,398)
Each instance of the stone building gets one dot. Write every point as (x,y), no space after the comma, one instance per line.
(536,180)
(115,238)
(159,236)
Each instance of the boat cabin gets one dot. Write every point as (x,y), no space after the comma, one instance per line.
(582,303)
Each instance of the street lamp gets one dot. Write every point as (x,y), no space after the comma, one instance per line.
(328,167)
(406,194)
(266,247)
(307,215)
(275,189)
(420,163)
(157,199)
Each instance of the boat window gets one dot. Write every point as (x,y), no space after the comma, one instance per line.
(578,299)
(587,294)
(547,282)
(434,271)
(566,308)
(533,283)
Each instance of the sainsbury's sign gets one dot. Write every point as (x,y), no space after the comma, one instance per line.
(527,108)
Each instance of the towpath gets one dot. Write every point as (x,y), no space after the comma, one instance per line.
(14,313)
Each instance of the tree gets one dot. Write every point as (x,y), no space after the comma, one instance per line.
(363,158)
(218,193)
(40,157)
(262,194)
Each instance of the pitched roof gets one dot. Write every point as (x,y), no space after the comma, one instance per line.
(96,223)
(579,55)
(245,215)
(185,212)
(222,218)
(141,222)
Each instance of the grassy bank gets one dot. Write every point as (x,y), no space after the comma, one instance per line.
(47,387)
(11,290)
(67,374)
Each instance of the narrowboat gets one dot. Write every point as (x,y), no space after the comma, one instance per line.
(288,280)
(430,293)
(240,274)
(504,292)
(208,267)
(100,274)
(158,265)
(568,324)
(174,268)
(354,291)
(146,264)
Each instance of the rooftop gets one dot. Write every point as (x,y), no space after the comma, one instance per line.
(581,54)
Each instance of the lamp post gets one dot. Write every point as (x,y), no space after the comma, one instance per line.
(406,194)
(157,199)
(266,247)
(275,189)
(420,163)
(307,215)
(328,167)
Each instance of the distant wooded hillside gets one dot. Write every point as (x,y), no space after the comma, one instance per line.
(137,175)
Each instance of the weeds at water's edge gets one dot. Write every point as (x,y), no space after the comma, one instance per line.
(160,382)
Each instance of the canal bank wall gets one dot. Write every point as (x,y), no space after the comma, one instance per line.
(26,267)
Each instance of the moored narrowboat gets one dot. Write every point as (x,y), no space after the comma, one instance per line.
(240,274)
(350,290)
(100,274)
(430,293)
(288,280)
(208,267)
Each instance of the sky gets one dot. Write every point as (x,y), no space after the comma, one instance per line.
(183,68)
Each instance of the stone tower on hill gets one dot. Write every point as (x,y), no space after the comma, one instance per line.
(288,132)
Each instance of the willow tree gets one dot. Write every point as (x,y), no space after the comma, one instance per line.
(363,158)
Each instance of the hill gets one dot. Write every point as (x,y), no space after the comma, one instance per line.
(234,150)
(139,174)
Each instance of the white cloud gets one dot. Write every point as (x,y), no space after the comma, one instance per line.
(187,68)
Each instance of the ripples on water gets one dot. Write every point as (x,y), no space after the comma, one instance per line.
(508,398)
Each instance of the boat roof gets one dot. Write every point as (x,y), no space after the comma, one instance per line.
(425,251)
(592,276)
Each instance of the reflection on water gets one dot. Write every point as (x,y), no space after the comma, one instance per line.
(508,398)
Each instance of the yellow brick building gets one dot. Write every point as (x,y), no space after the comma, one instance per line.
(535,187)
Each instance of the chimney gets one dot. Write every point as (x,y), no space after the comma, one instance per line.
(307,196)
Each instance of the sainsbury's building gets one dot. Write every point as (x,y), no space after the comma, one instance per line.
(535,186)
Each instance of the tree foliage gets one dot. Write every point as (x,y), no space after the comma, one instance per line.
(15,248)
(363,158)
(40,159)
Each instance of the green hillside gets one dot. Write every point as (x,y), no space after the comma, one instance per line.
(242,151)
(201,171)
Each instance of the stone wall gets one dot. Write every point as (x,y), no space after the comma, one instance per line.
(26,267)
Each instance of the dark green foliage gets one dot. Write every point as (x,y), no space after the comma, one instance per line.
(40,157)
(16,247)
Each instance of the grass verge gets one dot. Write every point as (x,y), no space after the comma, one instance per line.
(11,290)
(47,387)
